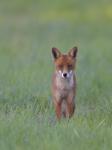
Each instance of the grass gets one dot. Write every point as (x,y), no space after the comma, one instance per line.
(28,31)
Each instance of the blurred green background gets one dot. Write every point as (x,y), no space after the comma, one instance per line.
(28,31)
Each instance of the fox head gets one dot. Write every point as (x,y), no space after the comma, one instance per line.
(65,63)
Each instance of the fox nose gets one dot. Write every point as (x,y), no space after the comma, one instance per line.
(64,75)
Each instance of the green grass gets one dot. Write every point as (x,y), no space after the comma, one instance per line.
(28,31)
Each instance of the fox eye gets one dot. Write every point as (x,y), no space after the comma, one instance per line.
(60,66)
(69,66)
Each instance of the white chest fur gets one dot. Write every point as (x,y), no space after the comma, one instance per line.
(64,84)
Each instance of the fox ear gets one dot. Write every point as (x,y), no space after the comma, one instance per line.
(56,53)
(73,52)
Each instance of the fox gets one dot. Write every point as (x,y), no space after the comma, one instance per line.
(63,83)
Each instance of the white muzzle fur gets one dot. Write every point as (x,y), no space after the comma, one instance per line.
(64,74)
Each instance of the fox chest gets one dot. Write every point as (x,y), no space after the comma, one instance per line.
(64,87)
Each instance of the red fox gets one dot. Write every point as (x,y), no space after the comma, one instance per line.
(64,83)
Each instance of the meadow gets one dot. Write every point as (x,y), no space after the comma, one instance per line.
(28,31)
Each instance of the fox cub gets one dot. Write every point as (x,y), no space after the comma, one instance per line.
(64,82)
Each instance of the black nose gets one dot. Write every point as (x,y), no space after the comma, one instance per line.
(65,75)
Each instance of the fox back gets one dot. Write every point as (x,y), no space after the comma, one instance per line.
(64,82)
